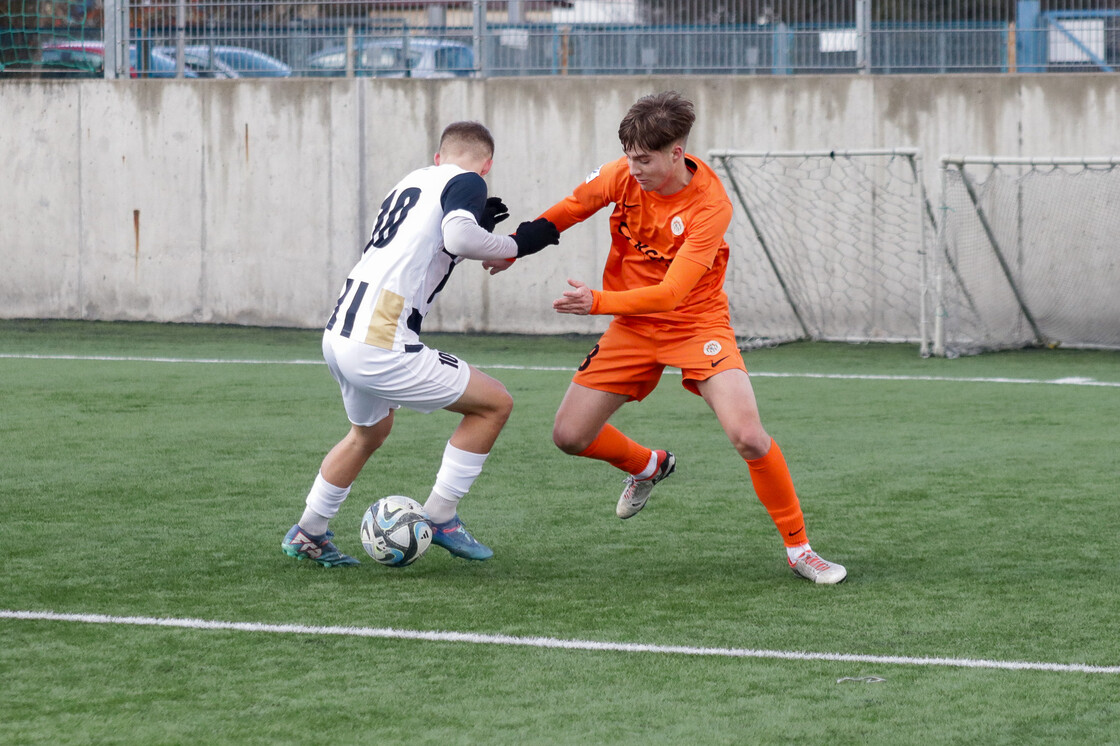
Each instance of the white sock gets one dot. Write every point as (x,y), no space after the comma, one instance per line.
(456,474)
(441,509)
(323,502)
(794,552)
(651,467)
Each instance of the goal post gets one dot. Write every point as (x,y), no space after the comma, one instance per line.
(829,245)
(1028,254)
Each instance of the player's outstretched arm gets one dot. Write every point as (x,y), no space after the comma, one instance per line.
(682,276)
(534,235)
(531,237)
(464,237)
(469,220)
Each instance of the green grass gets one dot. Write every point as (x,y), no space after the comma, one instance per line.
(977,519)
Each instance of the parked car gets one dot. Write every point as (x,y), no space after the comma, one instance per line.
(244,62)
(205,65)
(88,57)
(387,58)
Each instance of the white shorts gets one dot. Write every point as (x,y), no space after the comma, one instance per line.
(374,380)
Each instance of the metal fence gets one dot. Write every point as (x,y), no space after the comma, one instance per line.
(490,38)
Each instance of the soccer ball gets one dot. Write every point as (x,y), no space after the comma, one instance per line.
(396,531)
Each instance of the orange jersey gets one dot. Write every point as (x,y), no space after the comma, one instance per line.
(649,232)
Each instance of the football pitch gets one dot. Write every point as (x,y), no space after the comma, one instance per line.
(150,472)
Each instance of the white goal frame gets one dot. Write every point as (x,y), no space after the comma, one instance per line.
(846,262)
(1027,254)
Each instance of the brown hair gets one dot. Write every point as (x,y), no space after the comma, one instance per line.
(657,121)
(467,137)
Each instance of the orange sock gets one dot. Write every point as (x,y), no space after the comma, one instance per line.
(774,487)
(616,449)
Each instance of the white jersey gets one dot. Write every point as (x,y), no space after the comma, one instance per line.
(411,254)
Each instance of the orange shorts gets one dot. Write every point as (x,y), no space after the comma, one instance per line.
(629,360)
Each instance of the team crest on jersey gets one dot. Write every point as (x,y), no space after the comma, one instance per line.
(677,225)
(712,348)
(592,175)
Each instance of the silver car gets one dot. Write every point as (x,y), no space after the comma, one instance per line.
(396,57)
(241,61)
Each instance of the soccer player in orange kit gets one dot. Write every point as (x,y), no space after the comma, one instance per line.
(663,283)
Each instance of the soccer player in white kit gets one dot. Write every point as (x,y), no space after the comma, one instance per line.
(431,220)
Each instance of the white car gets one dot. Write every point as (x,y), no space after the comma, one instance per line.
(390,58)
(241,61)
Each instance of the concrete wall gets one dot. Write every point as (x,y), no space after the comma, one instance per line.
(246,201)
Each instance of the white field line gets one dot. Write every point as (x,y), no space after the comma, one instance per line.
(551,642)
(136,359)
(1067,381)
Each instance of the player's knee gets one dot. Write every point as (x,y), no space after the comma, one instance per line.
(750,442)
(487,400)
(495,407)
(369,439)
(503,405)
(486,397)
(570,442)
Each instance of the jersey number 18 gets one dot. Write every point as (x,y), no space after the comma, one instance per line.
(391,216)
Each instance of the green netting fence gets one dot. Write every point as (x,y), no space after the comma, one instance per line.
(26,25)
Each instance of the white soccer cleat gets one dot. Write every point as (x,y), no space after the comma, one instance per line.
(636,492)
(812,566)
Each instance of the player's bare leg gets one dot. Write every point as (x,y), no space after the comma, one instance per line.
(485,406)
(345,461)
(309,538)
(582,414)
(581,429)
(731,397)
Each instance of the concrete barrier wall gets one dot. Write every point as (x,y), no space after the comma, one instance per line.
(246,202)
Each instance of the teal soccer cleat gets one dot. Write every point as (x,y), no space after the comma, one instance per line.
(454,537)
(302,545)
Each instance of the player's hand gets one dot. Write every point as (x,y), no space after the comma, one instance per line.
(578,300)
(497,265)
(493,213)
(532,236)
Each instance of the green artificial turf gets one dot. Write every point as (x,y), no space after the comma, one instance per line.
(974,514)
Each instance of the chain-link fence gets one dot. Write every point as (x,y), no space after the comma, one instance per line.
(490,38)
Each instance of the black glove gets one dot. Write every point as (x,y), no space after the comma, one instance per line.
(493,213)
(533,236)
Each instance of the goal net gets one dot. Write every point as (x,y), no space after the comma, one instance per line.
(1029,254)
(27,25)
(828,245)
